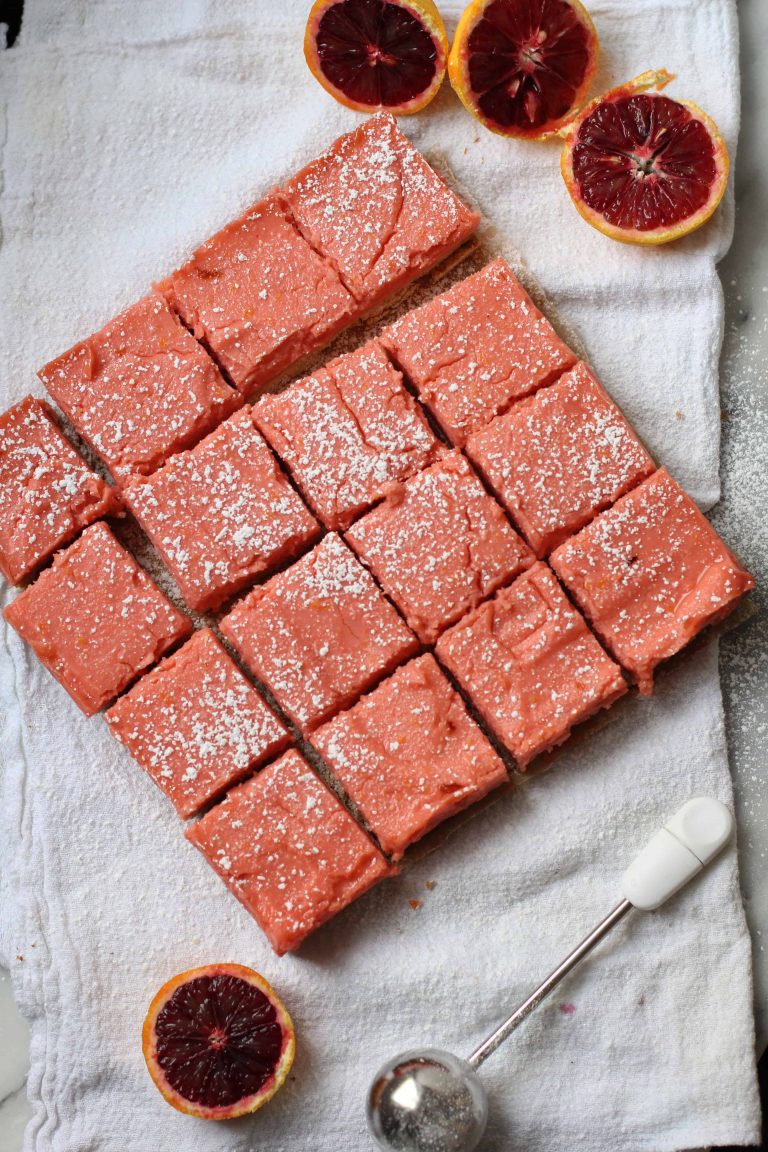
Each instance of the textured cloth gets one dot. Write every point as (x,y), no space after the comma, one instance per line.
(133,131)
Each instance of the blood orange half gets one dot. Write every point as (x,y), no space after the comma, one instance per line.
(377,54)
(523,67)
(218,1042)
(643,168)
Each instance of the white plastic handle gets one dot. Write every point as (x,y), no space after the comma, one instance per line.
(678,852)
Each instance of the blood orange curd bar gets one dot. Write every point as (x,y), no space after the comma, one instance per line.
(558,458)
(438,545)
(222,513)
(409,755)
(288,850)
(319,633)
(96,620)
(259,296)
(377,211)
(47,491)
(530,665)
(195,724)
(346,432)
(473,350)
(140,389)
(650,574)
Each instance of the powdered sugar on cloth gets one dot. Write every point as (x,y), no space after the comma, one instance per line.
(131,132)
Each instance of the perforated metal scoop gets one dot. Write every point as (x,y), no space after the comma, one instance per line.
(427,1100)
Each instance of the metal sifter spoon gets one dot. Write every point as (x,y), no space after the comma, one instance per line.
(427,1100)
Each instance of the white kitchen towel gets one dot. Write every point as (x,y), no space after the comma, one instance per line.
(132,131)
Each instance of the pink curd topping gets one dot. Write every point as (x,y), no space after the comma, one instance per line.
(559,457)
(288,850)
(650,574)
(319,633)
(438,545)
(221,513)
(95,619)
(140,389)
(409,755)
(195,724)
(47,491)
(346,432)
(473,350)
(530,665)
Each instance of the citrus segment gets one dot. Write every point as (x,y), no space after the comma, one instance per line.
(218,1042)
(522,67)
(377,54)
(644,168)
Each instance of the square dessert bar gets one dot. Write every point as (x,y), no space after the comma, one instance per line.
(530,665)
(221,513)
(140,389)
(47,491)
(409,755)
(259,296)
(95,619)
(473,350)
(650,574)
(377,211)
(195,724)
(559,457)
(438,545)
(319,633)
(288,850)
(346,432)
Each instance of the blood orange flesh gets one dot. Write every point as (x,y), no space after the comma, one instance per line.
(644,162)
(376,54)
(523,66)
(642,167)
(218,1042)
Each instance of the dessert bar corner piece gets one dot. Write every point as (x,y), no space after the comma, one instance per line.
(139,389)
(259,296)
(96,620)
(195,724)
(530,665)
(438,545)
(319,633)
(377,210)
(650,574)
(288,850)
(346,432)
(222,513)
(559,457)
(409,755)
(47,491)
(476,348)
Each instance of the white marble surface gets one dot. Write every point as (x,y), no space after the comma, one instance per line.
(742,513)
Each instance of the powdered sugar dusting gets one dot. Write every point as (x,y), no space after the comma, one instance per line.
(473,350)
(95,619)
(319,633)
(288,850)
(409,755)
(439,545)
(221,513)
(346,432)
(530,665)
(650,573)
(376,209)
(48,491)
(140,389)
(558,458)
(195,724)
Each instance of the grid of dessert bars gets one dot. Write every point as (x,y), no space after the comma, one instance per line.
(452,546)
